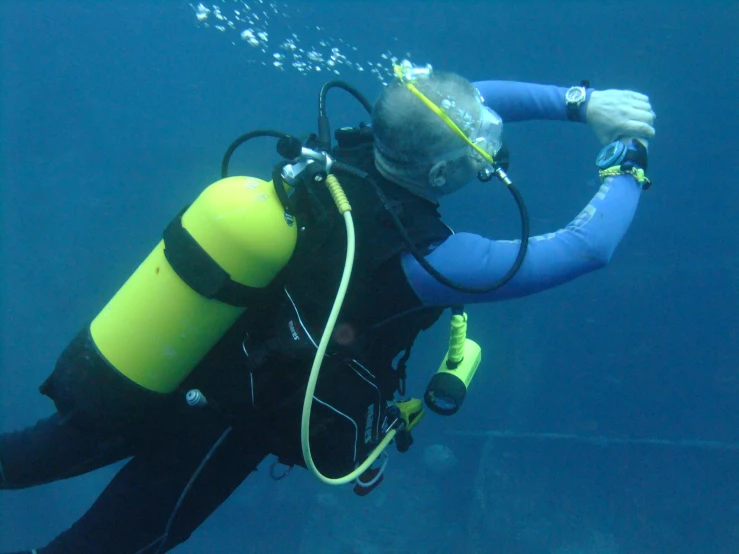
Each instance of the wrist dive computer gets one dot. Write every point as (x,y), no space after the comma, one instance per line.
(620,158)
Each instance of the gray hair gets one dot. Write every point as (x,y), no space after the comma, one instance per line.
(409,137)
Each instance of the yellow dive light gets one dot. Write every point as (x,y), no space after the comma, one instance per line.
(448,387)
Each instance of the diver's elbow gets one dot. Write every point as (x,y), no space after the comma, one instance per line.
(600,256)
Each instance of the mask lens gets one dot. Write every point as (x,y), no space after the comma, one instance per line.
(489,134)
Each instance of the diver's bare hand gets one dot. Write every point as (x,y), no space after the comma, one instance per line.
(616,113)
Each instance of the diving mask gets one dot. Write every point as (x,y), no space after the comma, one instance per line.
(483,133)
(486,137)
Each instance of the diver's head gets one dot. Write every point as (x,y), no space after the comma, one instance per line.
(416,144)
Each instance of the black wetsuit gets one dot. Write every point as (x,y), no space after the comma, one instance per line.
(193,459)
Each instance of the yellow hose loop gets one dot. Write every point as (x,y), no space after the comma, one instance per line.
(316,369)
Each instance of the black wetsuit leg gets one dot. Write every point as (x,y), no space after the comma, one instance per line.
(53,450)
(133,512)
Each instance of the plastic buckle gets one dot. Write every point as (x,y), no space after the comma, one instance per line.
(370,479)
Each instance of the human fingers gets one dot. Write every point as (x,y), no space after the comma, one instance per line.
(632,113)
(639,129)
(638,96)
(641,105)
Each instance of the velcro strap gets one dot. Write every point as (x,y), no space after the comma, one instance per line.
(198,270)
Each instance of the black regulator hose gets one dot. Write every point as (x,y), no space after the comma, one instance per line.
(284,138)
(324,126)
(341,167)
(279,184)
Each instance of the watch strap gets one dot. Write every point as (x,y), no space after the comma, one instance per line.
(573,108)
(637,153)
(573,111)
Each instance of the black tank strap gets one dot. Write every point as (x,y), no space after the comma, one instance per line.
(199,271)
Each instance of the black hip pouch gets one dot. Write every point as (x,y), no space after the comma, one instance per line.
(348,419)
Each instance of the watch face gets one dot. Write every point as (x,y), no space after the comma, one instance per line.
(610,151)
(611,155)
(575,95)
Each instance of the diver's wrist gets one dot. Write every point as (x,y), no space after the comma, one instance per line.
(576,99)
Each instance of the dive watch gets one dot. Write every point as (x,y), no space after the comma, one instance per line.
(618,158)
(628,155)
(574,98)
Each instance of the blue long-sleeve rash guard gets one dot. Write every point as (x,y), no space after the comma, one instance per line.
(586,244)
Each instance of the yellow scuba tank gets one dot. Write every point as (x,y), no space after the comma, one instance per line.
(193,286)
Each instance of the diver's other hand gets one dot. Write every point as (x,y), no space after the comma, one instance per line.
(616,113)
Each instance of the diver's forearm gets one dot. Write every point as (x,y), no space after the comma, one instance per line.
(584,245)
(516,101)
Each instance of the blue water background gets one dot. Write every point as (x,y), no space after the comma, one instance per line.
(116,114)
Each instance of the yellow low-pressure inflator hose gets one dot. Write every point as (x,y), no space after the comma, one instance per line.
(345,209)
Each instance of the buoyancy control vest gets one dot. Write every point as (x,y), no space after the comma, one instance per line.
(261,367)
(375,328)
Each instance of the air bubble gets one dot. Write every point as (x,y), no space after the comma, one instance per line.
(265,18)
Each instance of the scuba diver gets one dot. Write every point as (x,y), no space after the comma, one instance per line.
(277,318)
